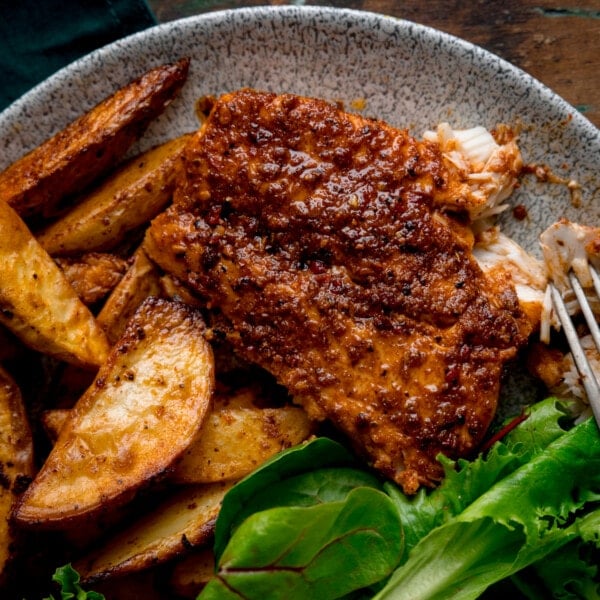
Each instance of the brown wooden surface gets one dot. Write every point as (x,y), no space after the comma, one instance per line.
(558,42)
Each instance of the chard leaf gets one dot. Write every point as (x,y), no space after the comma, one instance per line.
(522,518)
(268,485)
(307,489)
(323,551)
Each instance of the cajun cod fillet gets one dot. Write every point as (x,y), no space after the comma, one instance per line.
(312,235)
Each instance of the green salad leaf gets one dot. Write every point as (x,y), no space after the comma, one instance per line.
(523,517)
(245,497)
(568,574)
(282,529)
(465,481)
(68,578)
(290,552)
(571,573)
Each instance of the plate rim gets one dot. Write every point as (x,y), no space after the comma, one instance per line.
(481,54)
(555,133)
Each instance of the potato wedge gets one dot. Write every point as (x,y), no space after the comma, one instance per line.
(234,441)
(93,275)
(141,280)
(86,148)
(132,196)
(184,521)
(38,304)
(235,438)
(144,408)
(16,459)
(192,573)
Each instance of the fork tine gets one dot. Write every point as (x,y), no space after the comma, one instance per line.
(588,379)
(586,309)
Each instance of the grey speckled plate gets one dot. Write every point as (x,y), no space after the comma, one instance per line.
(409,75)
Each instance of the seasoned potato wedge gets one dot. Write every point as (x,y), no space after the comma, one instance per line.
(93,275)
(38,304)
(247,397)
(192,573)
(144,408)
(141,280)
(234,441)
(132,196)
(185,520)
(77,155)
(16,459)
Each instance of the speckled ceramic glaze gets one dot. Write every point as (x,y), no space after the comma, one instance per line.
(407,74)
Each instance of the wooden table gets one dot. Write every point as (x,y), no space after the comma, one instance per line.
(556,42)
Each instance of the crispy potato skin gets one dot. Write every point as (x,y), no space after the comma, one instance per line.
(192,573)
(16,460)
(185,520)
(38,304)
(130,197)
(144,408)
(75,156)
(234,440)
(141,280)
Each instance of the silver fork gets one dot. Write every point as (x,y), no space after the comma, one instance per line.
(589,381)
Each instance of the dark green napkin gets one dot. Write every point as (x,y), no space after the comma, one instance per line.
(38,37)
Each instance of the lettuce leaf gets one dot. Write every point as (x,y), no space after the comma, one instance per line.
(68,578)
(571,573)
(465,481)
(520,519)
